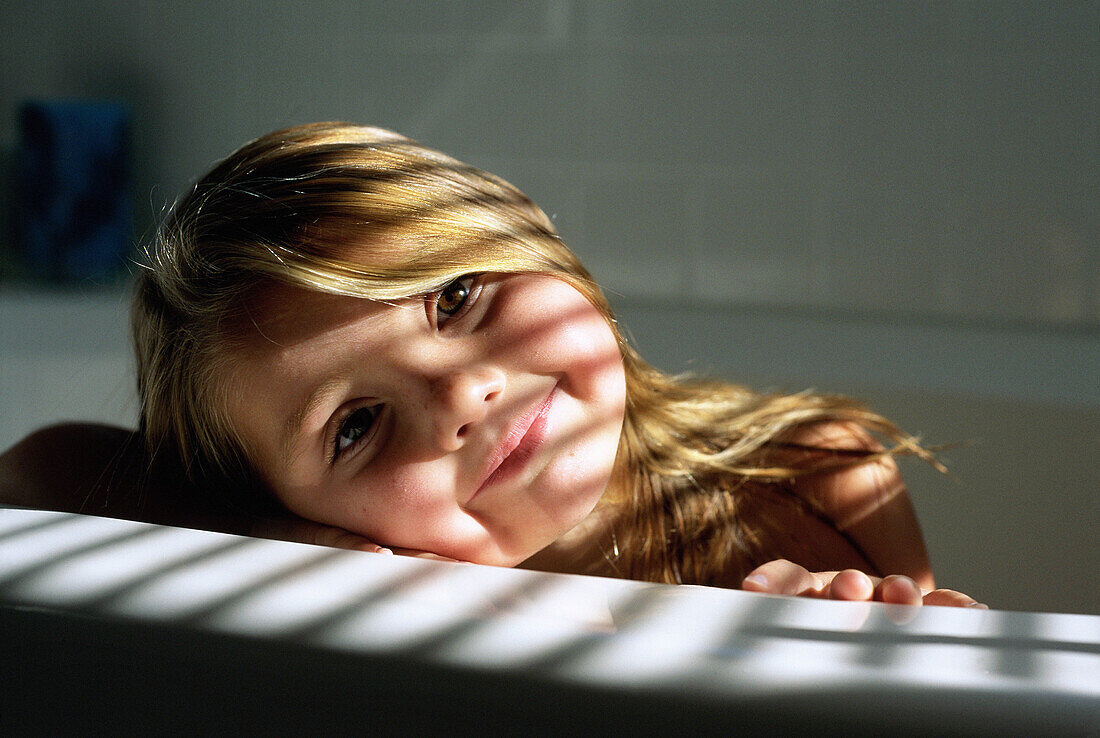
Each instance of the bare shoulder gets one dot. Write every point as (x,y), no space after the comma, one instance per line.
(59,467)
(867,501)
(104,470)
(836,436)
(847,493)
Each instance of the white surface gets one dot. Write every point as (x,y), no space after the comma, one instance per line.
(720,649)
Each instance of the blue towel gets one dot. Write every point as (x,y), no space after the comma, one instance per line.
(74,218)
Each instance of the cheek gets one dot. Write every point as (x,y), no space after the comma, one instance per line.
(556,329)
(384,496)
(403,506)
(593,360)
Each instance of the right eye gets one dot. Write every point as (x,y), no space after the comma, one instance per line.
(453,298)
(355,427)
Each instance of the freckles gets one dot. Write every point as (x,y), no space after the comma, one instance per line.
(397,509)
(407,492)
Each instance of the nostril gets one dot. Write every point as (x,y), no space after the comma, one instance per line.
(462,430)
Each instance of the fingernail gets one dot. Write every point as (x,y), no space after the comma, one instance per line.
(978,606)
(758,579)
(384,551)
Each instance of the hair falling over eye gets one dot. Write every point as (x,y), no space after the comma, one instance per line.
(365,212)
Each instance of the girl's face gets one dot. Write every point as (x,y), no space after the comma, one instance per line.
(479,424)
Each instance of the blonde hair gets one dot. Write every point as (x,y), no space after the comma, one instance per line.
(367,213)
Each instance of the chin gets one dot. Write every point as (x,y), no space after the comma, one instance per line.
(501,559)
(499,553)
(498,556)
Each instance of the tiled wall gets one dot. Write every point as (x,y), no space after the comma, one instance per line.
(917,159)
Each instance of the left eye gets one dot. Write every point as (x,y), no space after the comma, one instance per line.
(450,300)
(358,424)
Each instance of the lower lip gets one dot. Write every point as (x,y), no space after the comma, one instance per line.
(535,436)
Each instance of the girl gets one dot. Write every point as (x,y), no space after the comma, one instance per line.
(348,338)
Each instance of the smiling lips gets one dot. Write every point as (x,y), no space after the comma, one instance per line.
(524,437)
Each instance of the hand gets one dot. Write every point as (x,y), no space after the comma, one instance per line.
(783,577)
(300,530)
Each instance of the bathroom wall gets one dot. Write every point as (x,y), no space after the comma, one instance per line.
(927,159)
(896,200)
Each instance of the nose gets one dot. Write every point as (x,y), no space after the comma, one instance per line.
(461,400)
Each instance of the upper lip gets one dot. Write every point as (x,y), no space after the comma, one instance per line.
(511,439)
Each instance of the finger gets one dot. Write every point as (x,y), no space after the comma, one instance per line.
(951,598)
(340,538)
(781,577)
(371,548)
(298,530)
(851,584)
(897,589)
(420,554)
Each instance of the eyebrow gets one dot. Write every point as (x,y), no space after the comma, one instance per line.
(292,429)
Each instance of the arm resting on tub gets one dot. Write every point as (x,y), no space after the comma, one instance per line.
(103,470)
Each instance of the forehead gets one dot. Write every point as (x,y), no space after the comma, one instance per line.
(288,340)
(282,317)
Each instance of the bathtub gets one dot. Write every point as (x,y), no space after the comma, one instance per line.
(116,626)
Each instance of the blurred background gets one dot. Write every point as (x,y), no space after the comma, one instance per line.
(899,201)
